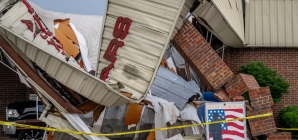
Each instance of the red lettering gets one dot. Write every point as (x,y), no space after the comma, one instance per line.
(112,49)
(29,24)
(44,36)
(52,42)
(30,9)
(105,72)
(121,27)
(36,18)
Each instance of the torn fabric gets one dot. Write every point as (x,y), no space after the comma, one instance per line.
(165,112)
(83,48)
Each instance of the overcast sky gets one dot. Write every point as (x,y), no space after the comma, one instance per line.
(85,7)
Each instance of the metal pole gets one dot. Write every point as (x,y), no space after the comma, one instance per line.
(44,137)
(210,38)
(36,107)
(223,52)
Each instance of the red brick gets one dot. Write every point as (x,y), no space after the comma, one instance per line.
(260,97)
(11,90)
(240,84)
(261,126)
(221,95)
(280,136)
(201,57)
(238,98)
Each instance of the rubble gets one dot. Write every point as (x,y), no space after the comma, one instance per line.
(240,84)
(150,80)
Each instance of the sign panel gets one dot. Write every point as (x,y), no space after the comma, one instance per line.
(135,36)
(235,130)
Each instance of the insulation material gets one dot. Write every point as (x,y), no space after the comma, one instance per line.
(165,112)
(189,112)
(88,26)
(83,47)
(171,65)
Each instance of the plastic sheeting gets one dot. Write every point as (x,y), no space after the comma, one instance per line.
(89,26)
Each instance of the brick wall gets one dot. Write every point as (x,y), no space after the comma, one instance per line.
(201,57)
(11,89)
(284,60)
(280,136)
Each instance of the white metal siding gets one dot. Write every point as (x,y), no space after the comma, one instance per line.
(153,24)
(271,23)
(225,17)
(54,63)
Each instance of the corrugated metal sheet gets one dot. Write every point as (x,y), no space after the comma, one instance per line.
(53,62)
(172,87)
(271,23)
(153,23)
(114,122)
(224,19)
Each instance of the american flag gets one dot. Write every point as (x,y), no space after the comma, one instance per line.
(233,130)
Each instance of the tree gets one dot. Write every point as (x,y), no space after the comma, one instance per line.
(267,77)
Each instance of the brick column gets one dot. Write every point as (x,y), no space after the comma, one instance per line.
(202,58)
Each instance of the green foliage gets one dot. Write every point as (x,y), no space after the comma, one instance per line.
(267,77)
(289,118)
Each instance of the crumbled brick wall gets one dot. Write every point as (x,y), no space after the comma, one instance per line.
(280,136)
(284,60)
(238,98)
(260,97)
(261,102)
(11,89)
(221,95)
(201,57)
(240,84)
(260,126)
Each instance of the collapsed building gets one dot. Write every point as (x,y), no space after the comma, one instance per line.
(144,65)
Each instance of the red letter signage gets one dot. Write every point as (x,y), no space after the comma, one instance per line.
(121,29)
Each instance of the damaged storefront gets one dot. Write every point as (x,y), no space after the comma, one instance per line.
(143,66)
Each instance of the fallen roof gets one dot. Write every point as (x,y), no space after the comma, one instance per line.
(224,19)
(40,48)
(46,90)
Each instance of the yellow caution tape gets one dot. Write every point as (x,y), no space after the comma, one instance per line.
(291,129)
(131,132)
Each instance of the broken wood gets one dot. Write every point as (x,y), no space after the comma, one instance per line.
(133,114)
(97,112)
(187,72)
(87,106)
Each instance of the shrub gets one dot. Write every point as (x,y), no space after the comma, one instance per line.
(289,118)
(267,77)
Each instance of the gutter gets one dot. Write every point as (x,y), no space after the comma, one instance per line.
(36,78)
(271,46)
